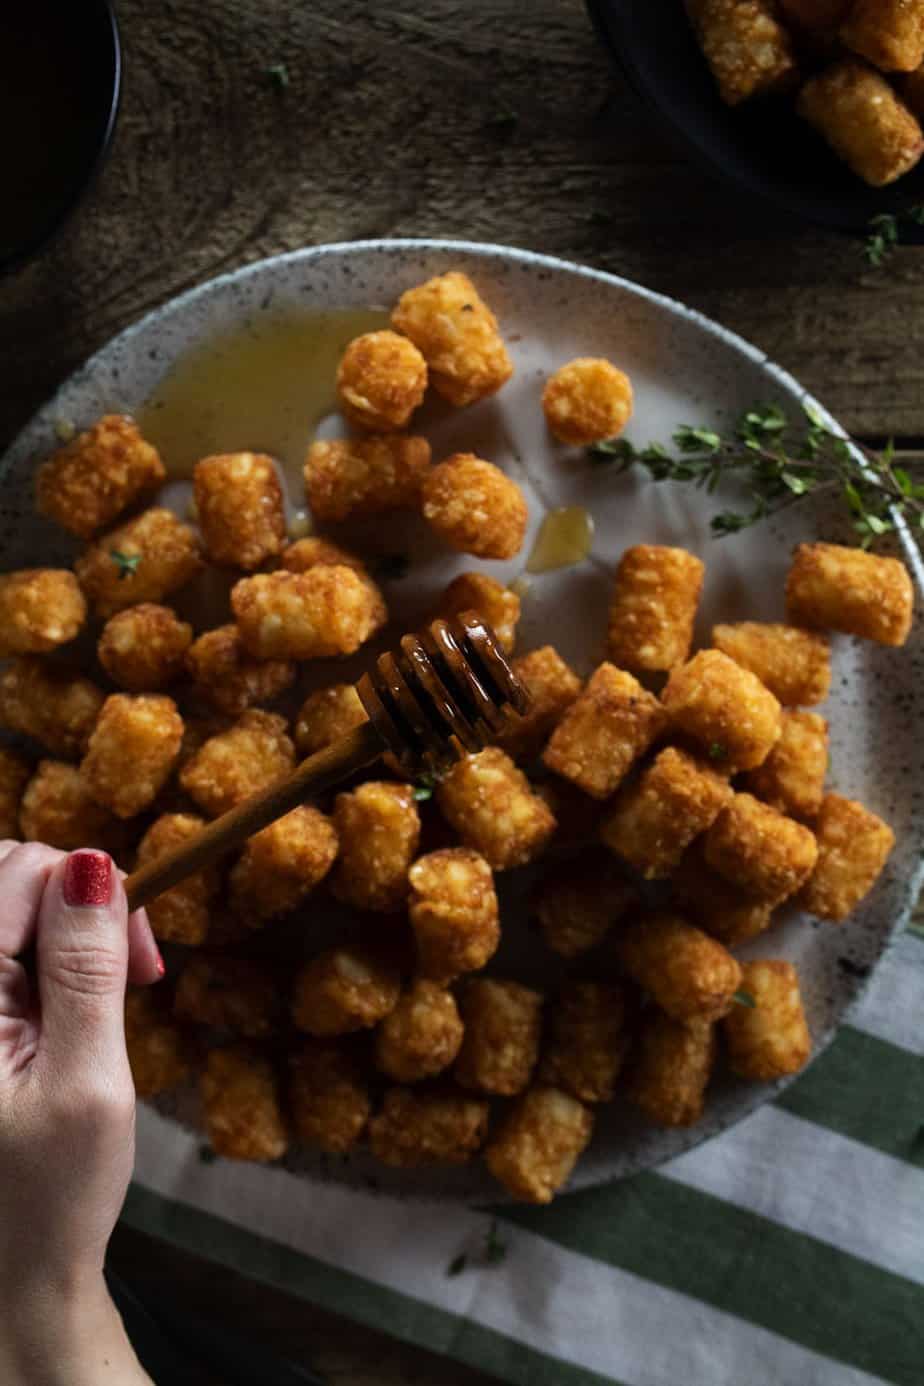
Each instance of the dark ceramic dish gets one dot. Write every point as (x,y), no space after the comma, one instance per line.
(764,149)
(60,74)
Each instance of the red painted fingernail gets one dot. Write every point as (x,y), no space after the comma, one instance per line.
(88,879)
(161,966)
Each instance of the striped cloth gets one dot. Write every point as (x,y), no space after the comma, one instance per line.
(787,1252)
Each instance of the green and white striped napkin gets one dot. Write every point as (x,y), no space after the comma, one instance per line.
(787,1252)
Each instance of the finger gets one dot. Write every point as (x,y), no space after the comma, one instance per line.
(24,872)
(18,1019)
(145,965)
(82,955)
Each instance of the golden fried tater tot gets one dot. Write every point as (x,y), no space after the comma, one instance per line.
(766,854)
(180,914)
(836,588)
(687,973)
(143,561)
(236,994)
(653,607)
(365,476)
(453,912)
(348,988)
(588,1040)
(609,726)
(770,1038)
(40,609)
(748,51)
(718,907)
(417,1128)
(241,1100)
(794,664)
(492,807)
(853,847)
(326,611)
(578,901)
(15,773)
(655,819)
(724,709)
(888,33)
(538,1143)
(502,1022)
(421,1035)
(381,380)
(314,552)
(552,686)
(282,864)
(158,1050)
(328,1096)
(671,1068)
(230,679)
(87,484)
(855,110)
(234,764)
(586,401)
(494,603)
(379,828)
(456,332)
(474,507)
(132,750)
(326,715)
(239,508)
(792,778)
(59,809)
(143,648)
(54,706)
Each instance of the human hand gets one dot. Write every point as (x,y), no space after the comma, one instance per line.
(67,1109)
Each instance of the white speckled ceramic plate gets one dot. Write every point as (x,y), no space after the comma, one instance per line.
(684,369)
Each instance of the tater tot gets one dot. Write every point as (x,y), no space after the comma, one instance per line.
(241,1101)
(888,33)
(328,1096)
(40,609)
(853,846)
(748,50)
(538,1143)
(687,973)
(578,901)
(655,819)
(653,607)
(474,507)
(494,603)
(234,764)
(586,401)
(365,476)
(503,1022)
(326,611)
(15,773)
(492,807)
(282,864)
(239,509)
(552,686)
(229,994)
(314,552)
(794,664)
(379,828)
(421,1035)
(230,679)
(836,588)
(770,1038)
(724,709)
(816,16)
(180,914)
(158,1049)
(132,750)
(344,989)
(54,706)
(381,380)
(609,726)
(143,648)
(143,561)
(671,1067)
(456,332)
(792,778)
(417,1128)
(587,1041)
(87,484)
(59,809)
(326,715)
(855,110)
(765,853)
(454,912)
(718,907)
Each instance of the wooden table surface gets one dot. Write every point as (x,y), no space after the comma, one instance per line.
(499,121)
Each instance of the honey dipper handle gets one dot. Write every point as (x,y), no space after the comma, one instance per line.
(358,748)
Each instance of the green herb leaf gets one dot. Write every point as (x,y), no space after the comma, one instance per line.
(615,450)
(457,1264)
(278,76)
(422,792)
(744,998)
(717,751)
(127,563)
(690,439)
(495,1249)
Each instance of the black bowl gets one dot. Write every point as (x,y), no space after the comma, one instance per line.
(60,76)
(762,147)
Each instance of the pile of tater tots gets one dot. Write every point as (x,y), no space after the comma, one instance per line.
(856,68)
(704,772)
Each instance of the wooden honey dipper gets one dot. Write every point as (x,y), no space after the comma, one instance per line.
(441,695)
